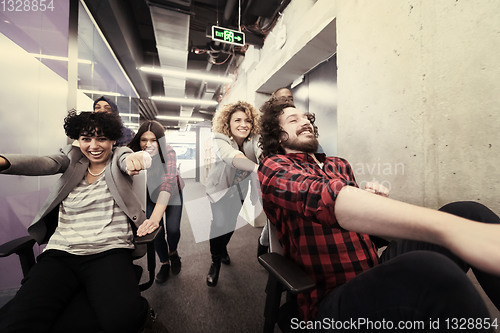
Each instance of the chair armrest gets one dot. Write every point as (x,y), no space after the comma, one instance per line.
(16,246)
(147,238)
(23,247)
(151,256)
(293,278)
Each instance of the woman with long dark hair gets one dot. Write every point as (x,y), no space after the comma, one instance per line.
(164,194)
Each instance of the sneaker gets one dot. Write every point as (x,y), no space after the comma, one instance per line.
(175,261)
(163,274)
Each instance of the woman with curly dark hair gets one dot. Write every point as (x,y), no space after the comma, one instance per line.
(89,222)
(236,130)
(164,194)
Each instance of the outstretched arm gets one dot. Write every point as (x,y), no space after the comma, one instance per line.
(137,161)
(476,243)
(231,155)
(150,225)
(168,187)
(33,165)
(242,162)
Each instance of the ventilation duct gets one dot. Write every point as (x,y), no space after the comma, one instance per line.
(171,29)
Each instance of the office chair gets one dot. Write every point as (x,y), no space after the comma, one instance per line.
(79,306)
(79,313)
(284,276)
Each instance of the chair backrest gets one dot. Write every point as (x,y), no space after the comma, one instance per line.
(284,275)
(139,187)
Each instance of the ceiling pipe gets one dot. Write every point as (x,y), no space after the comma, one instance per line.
(228,14)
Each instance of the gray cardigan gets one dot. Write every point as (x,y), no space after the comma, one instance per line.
(222,172)
(73,165)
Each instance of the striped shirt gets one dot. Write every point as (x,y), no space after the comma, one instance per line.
(299,198)
(90,221)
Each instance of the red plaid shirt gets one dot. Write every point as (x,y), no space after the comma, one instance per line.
(169,181)
(299,198)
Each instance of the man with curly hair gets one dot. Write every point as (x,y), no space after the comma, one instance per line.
(89,222)
(324,220)
(280,96)
(237,154)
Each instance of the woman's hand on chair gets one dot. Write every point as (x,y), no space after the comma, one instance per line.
(147,227)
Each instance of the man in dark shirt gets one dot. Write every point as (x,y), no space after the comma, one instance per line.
(282,96)
(324,221)
(103,104)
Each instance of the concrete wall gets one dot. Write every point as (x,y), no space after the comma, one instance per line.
(419,95)
(418,90)
(290,50)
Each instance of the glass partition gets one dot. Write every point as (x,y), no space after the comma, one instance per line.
(34,95)
(33,91)
(100,74)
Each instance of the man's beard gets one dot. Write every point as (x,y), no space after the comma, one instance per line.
(309,146)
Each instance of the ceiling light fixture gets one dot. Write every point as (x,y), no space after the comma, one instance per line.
(180,118)
(207,112)
(98,92)
(51,57)
(131,115)
(199,76)
(184,101)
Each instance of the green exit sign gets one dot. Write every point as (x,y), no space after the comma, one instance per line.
(228,36)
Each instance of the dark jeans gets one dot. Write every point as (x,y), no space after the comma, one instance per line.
(224,217)
(416,283)
(172,227)
(64,290)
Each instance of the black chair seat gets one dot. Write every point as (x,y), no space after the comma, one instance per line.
(284,276)
(79,316)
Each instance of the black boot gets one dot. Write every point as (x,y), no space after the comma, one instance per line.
(226,260)
(175,261)
(163,274)
(213,274)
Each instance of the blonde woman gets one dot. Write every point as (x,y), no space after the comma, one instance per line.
(237,154)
